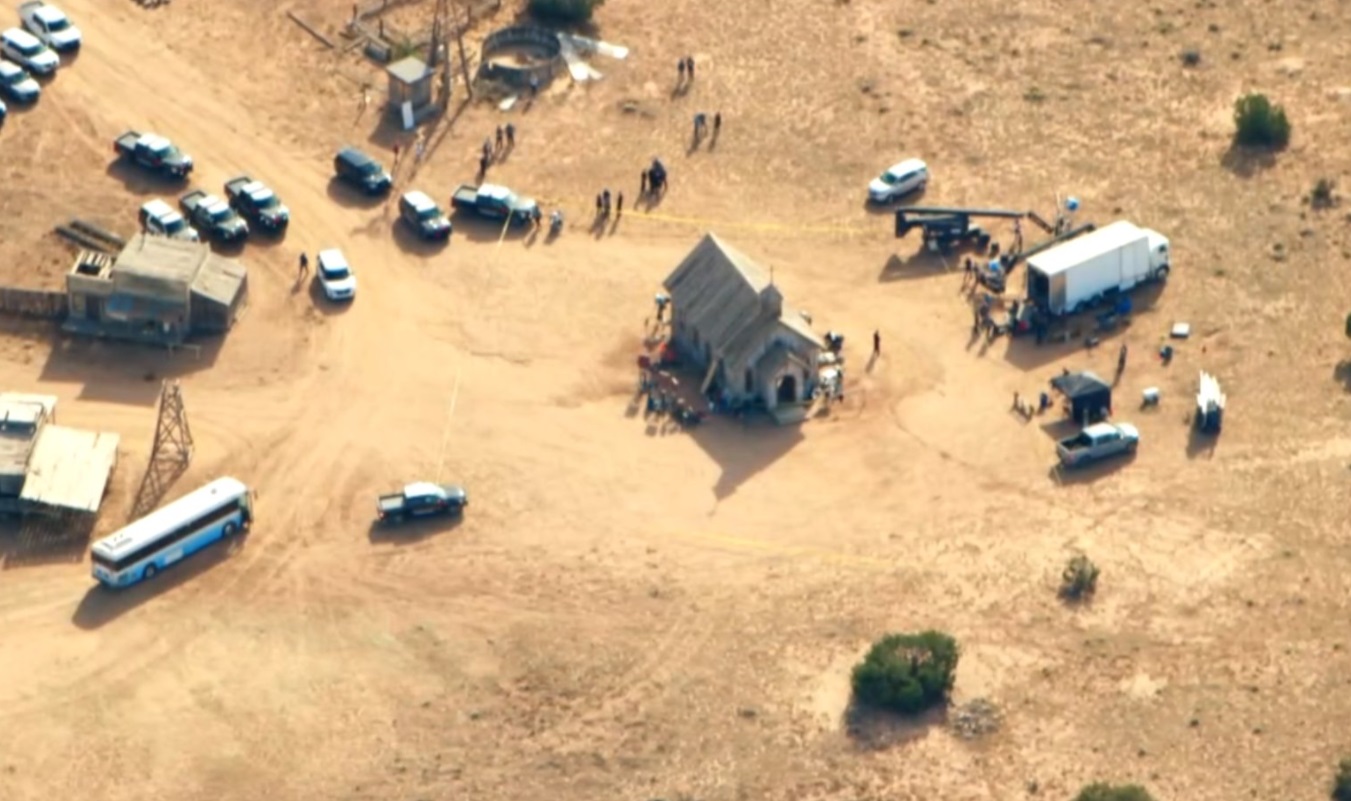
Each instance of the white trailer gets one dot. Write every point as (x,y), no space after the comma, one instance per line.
(1082,272)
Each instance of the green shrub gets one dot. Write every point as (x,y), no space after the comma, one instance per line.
(565,11)
(1113,792)
(907,673)
(1259,123)
(1341,785)
(1080,579)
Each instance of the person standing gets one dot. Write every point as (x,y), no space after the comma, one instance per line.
(689,66)
(680,68)
(877,343)
(499,139)
(619,205)
(511,136)
(642,184)
(304,266)
(717,122)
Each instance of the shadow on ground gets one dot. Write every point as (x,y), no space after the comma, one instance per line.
(743,448)
(139,181)
(1090,473)
(875,730)
(101,605)
(128,373)
(917,265)
(36,541)
(413,530)
(350,197)
(479,229)
(1245,162)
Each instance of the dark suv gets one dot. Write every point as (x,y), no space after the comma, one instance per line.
(361,171)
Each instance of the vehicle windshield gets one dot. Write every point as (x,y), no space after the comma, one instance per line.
(57,25)
(432,213)
(12,78)
(334,271)
(370,168)
(264,199)
(28,50)
(174,224)
(890,178)
(220,215)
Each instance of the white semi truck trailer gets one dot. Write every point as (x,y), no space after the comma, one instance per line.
(1079,274)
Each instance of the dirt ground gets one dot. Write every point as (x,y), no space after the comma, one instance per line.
(632,613)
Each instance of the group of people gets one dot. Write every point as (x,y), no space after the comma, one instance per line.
(501,144)
(603,204)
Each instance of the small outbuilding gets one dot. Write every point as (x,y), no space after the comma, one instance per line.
(410,81)
(1089,397)
(47,468)
(157,290)
(730,320)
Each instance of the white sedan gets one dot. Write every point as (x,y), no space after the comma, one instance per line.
(899,180)
(335,275)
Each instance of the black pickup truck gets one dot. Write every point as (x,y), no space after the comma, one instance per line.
(421,499)
(213,216)
(153,152)
(257,203)
(495,203)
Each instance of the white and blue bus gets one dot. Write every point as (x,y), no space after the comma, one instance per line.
(167,535)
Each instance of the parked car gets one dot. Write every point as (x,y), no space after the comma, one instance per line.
(362,172)
(1097,442)
(899,180)
(335,275)
(26,50)
(51,25)
(17,84)
(421,499)
(424,216)
(161,219)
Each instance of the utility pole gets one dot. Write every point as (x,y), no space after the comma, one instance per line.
(459,41)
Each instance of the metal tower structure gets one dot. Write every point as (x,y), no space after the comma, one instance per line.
(171,452)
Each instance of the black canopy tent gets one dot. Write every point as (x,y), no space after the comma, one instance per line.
(1090,397)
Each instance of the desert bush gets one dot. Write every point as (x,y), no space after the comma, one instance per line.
(565,11)
(1341,784)
(907,673)
(1324,194)
(1079,580)
(1099,791)
(1260,123)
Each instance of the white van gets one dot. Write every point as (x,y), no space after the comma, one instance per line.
(161,219)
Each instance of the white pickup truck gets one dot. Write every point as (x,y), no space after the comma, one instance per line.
(50,25)
(1096,442)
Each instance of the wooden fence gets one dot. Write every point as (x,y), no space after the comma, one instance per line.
(33,303)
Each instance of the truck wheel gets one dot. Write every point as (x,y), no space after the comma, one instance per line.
(1161,274)
(229,530)
(149,572)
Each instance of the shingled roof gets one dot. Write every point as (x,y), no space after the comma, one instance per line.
(730,301)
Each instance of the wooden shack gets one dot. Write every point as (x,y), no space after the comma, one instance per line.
(157,291)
